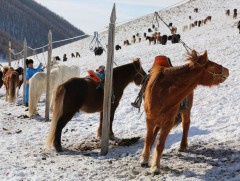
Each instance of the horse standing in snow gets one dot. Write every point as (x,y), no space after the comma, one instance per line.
(58,75)
(82,94)
(11,81)
(165,90)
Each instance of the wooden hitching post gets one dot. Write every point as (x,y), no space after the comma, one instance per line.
(48,75)
(9,53)
(108,84)
(24,68)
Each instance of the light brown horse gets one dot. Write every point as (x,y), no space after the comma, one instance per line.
(166,88)
(82,94)
(11,81)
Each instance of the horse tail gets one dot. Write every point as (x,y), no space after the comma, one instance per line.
(57,113)
(12,88)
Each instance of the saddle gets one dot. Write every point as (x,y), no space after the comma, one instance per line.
(165,62)
(93,76)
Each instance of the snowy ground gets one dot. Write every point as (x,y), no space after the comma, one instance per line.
(214,152)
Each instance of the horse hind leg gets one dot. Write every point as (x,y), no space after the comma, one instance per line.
(63,120)
(152,131)
(155,166)
(185,125)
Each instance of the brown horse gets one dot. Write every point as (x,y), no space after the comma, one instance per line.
(1,78)
(82,94)
(166,88)
(11,82)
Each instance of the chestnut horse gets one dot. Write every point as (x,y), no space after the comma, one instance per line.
(11,81)
(165,90)
(82,94)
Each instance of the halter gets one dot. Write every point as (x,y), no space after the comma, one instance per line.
(213,73)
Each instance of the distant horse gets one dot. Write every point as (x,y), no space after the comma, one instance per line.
(82,94)
(77,54)
(37,84)
(166,88)
(164,39)
(57,58)
(118,47)
(11,81)
(20,70)
(227,13)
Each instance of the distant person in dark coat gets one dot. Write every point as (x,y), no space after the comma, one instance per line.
(65,57)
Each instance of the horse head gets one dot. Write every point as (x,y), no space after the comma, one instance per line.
(213,73)
(140,74)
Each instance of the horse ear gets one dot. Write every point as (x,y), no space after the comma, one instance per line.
(136,62)
(205,55)
(194,53)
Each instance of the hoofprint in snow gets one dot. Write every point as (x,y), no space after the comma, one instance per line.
(214,135)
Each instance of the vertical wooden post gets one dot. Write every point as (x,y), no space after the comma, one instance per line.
(24,68)
(108,84)
(9,53)
(48,75)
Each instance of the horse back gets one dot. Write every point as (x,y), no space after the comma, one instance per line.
(82,94)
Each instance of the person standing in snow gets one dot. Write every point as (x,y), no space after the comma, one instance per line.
(29,73)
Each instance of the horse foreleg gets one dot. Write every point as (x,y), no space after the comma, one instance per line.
(99,130)
(155,166)
(111,134)
(185,125)
(149,140)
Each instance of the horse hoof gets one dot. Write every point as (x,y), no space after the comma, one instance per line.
(145,165)
(182,149)
(58,149)
(155,171)
(111,137)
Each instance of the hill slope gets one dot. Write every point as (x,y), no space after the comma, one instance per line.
(21,19)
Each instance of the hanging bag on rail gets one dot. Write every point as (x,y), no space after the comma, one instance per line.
(95,45)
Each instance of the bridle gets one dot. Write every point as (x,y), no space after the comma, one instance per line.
(213,73)
(138,72)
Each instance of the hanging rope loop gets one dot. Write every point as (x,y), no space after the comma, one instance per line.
(155,19)
(95,45)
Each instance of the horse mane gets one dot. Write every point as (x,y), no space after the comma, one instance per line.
(193,61)
(136,62)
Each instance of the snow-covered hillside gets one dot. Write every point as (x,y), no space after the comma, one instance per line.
(214,152)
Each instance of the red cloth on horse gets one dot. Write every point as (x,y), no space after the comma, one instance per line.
(163,61)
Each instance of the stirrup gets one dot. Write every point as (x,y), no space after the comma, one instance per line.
(136,105)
